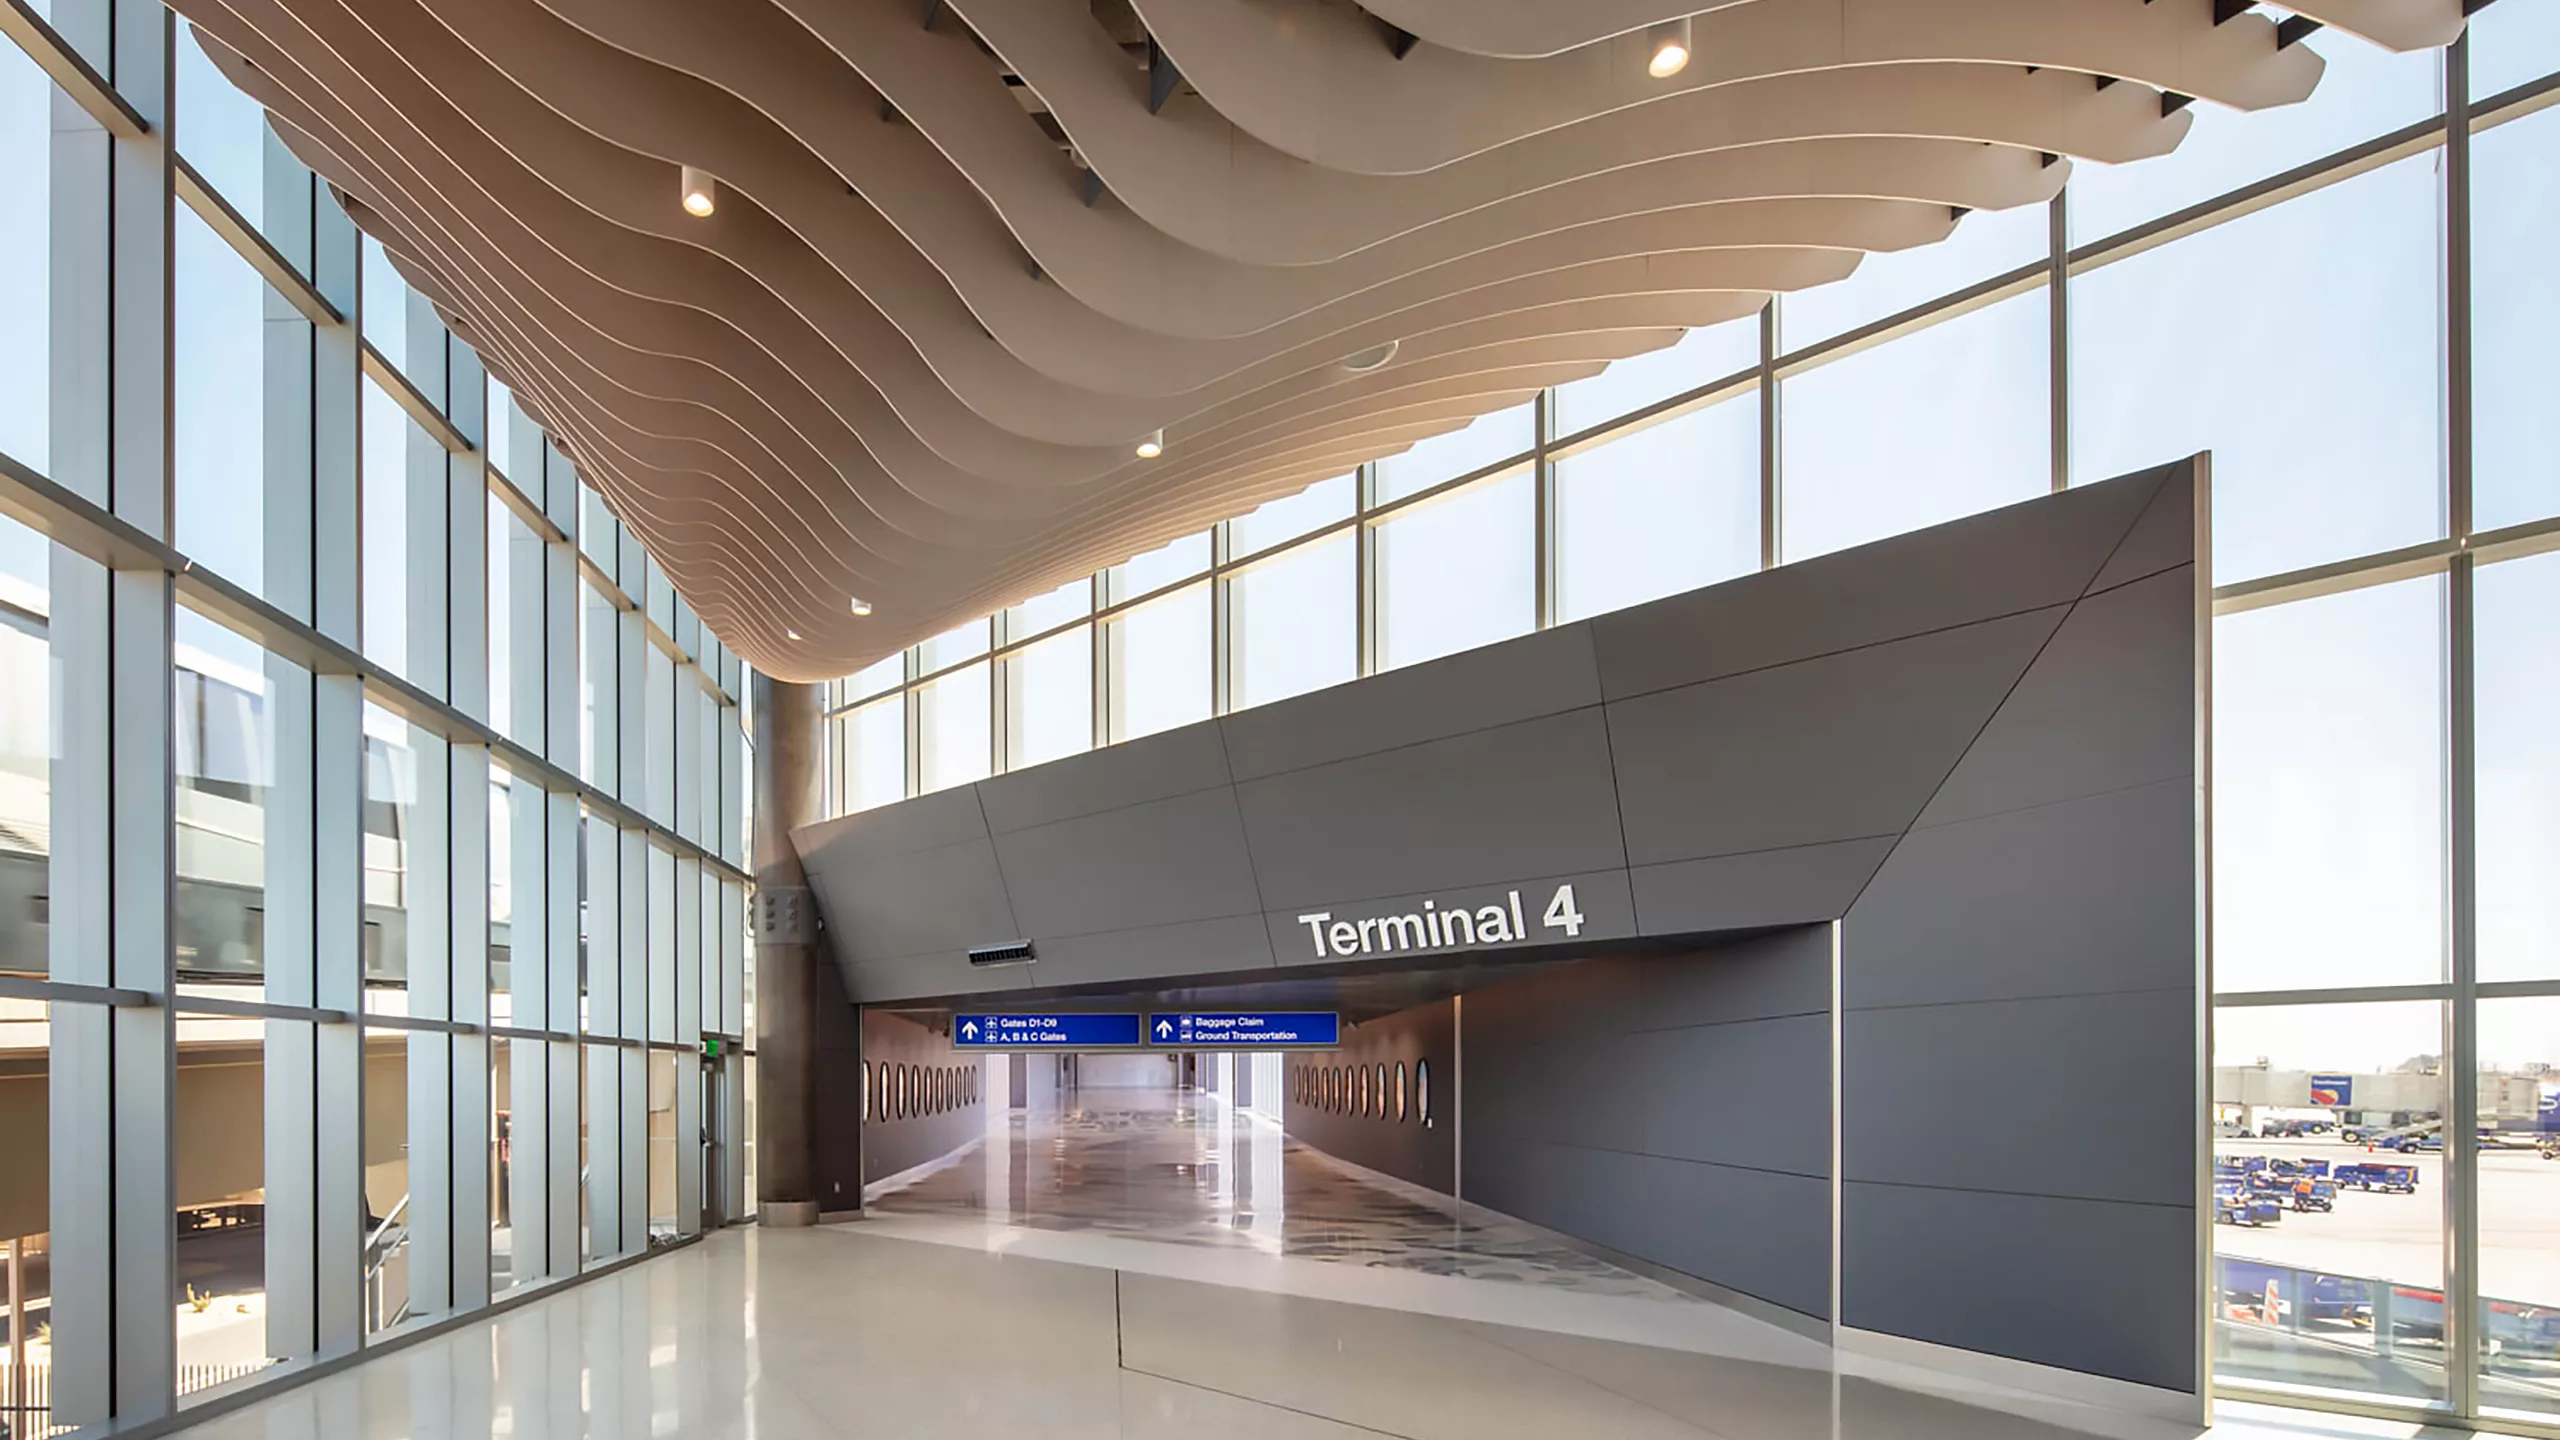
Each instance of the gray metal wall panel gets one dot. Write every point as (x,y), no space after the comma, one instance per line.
(1717,1134)
(2086,1096)
(1799,885)
(1765,978)
(1575,1189)
(2020,557)
(2087,896)
(1173,762)
(927,822)
(938,972)
(2079,722)
(1522,679)
(1151,864)
(1739,1093)
(2163,538)
(914,901)
(1154,952)
(1757,1231)
(1838,748)
(2102,1287)
(1532,798)
(2032,943)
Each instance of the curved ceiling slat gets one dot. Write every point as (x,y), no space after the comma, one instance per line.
(1529,29)
(2397,24)
(1534,29)
(958,266)
(1122,266)
(1195,174)
(1310,78)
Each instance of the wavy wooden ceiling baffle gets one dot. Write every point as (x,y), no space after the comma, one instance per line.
(967,253)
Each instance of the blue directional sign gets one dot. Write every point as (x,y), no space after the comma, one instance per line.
(1045,1032)
(1246,1030)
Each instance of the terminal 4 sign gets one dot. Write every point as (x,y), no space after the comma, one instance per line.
(1046,1032)
(1457,924)
(1246,1030)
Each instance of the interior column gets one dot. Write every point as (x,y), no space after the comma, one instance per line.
(787,721)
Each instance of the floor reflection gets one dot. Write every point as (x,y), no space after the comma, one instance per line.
(1186,1168)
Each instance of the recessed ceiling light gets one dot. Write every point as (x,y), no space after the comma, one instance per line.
(701,192)
(1669,42)
(859,606)
(1152,446)
(790,634)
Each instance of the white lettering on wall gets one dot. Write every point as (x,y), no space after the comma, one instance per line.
(1433,928)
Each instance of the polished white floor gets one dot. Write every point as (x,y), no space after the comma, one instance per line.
(1159,1265)
(858,1330)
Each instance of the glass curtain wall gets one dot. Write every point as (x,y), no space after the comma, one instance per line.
(376,692)
(2348,302)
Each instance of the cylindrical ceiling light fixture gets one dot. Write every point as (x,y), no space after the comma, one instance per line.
(860,606)
(1152,446)
(701,192)
(1668,44)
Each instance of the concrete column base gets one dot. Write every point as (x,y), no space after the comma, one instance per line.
(790,1214)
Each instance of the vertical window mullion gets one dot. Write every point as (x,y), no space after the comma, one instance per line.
(1772,508)
(2057,279)
(1364,572)
(1542,529)
(1221,650)
(2463,1316)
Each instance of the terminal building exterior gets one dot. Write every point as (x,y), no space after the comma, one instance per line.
(920,718)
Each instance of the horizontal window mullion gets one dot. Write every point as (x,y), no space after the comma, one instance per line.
(2334,995)
(2284,185)
(70,71)
(2428,557)
(19,987)
(185,1004)
(244,239)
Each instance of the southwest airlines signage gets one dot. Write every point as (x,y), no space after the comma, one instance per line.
(1435,926)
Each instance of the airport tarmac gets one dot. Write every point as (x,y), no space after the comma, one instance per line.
(2401,1237)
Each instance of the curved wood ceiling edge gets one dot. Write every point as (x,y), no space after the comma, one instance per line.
(964,255)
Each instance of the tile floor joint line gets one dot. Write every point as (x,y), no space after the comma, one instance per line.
(1275,1405)
(1481,1326)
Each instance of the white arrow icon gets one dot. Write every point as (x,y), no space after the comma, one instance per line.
(1163,1028)
(969,1031)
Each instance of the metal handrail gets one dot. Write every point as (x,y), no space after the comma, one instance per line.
(377,1254)
(379,1247)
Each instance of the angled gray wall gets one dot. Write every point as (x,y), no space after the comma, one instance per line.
(948,1114)
(1973,745)
(2023,963)
(1673,1108)
(1410,1146)
(1741,756)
